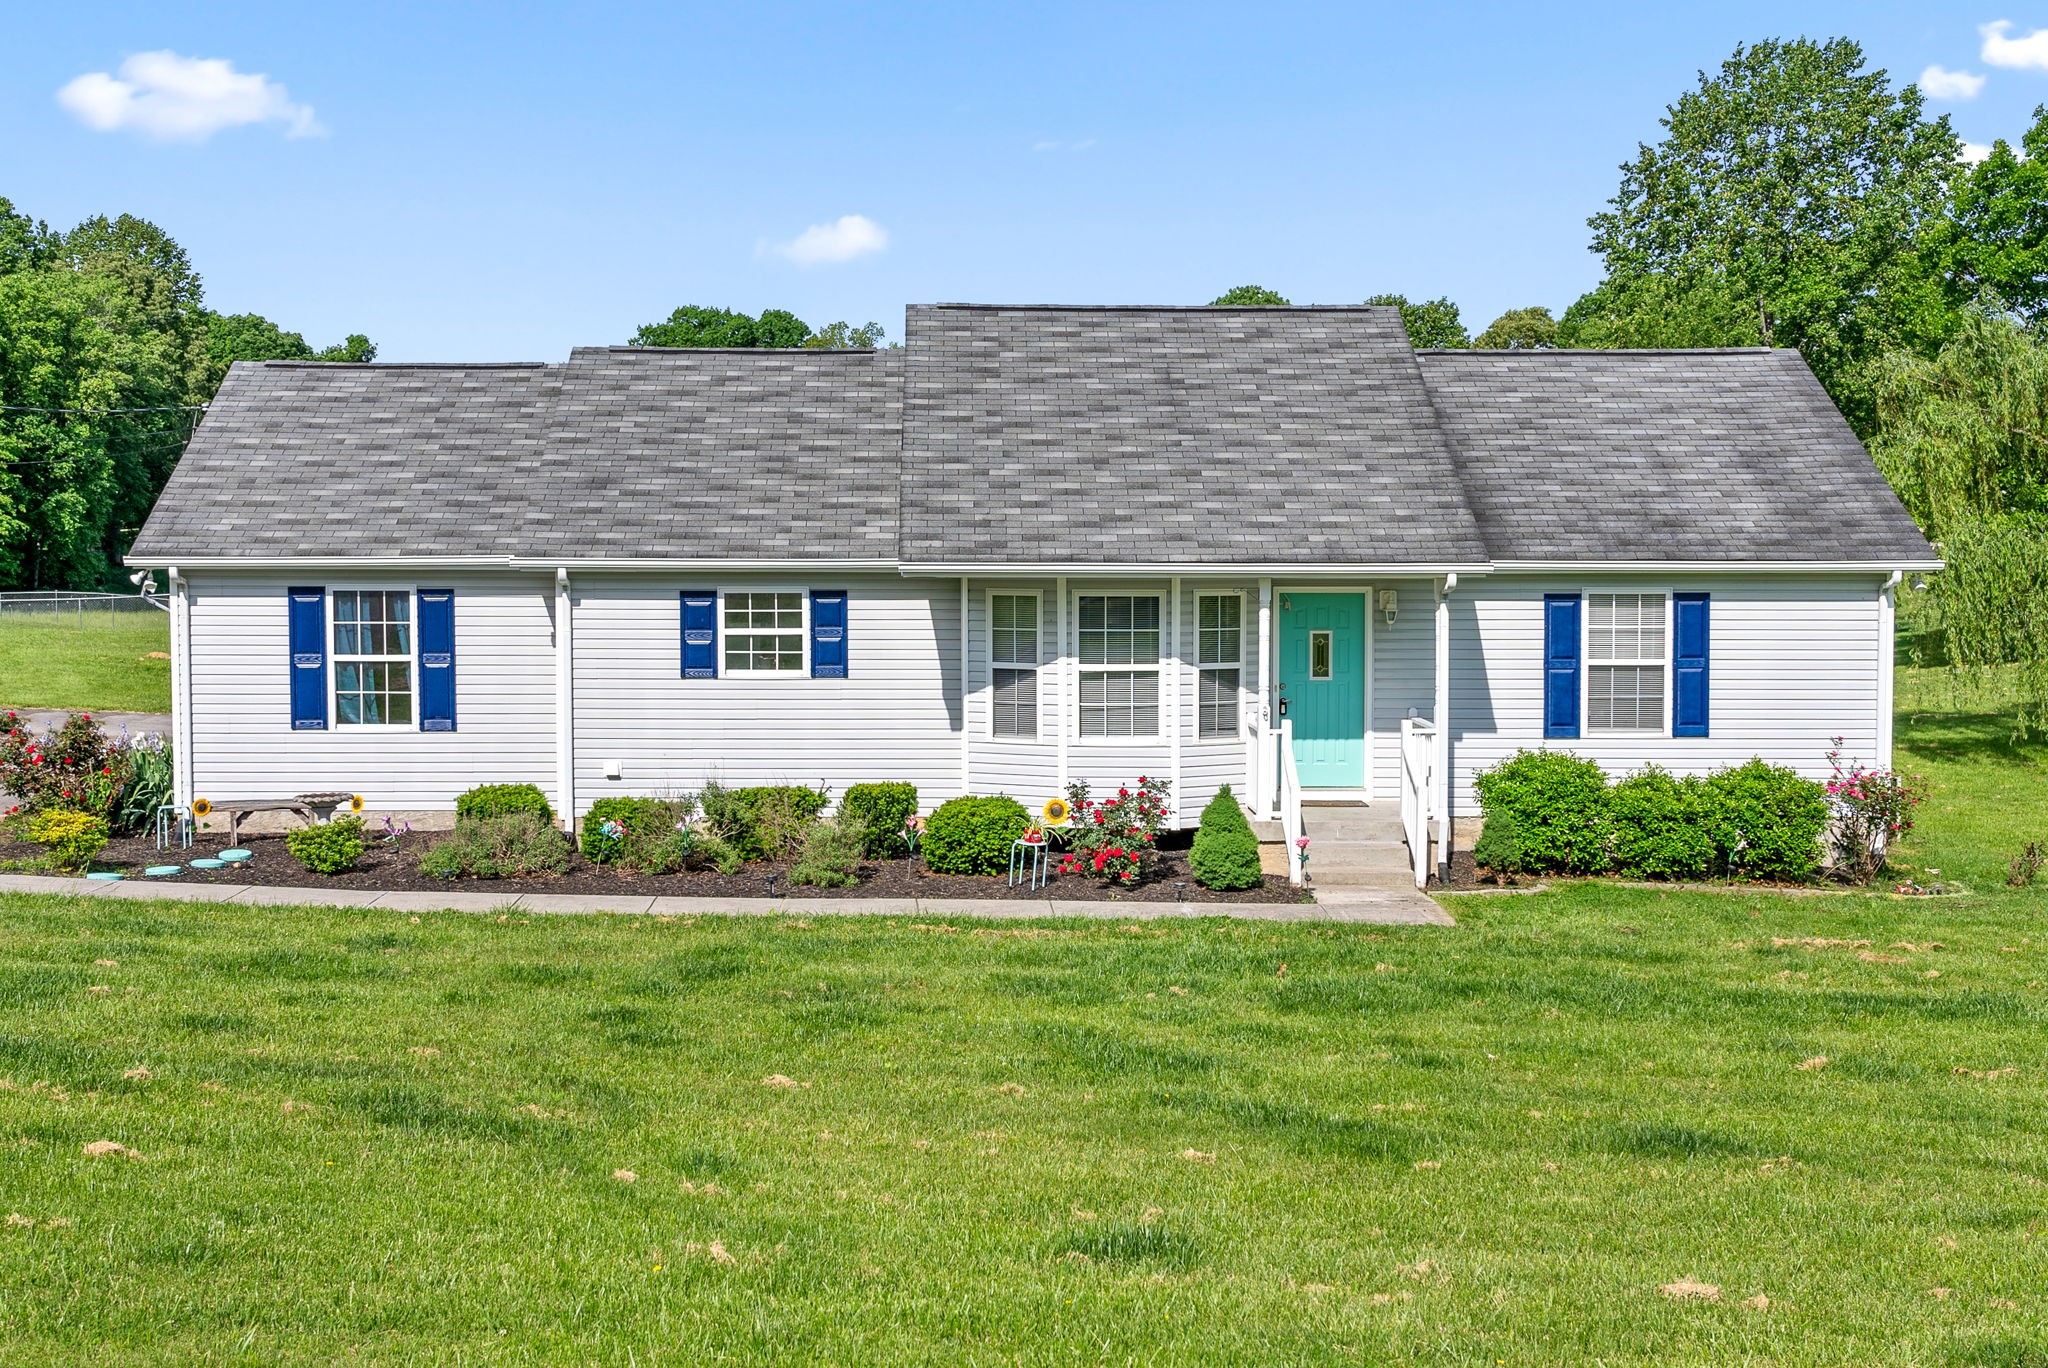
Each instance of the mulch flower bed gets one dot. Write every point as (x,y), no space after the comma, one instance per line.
(381,869)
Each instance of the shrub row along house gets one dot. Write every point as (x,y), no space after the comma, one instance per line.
(1270,547)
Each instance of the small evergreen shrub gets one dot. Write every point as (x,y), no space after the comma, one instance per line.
(761,823)
(831,855)
(329,848)
(1226,852)
(1559,805)
(502,800)
(520,845)
(72,837)
(973,835)
(881,809)
(1767,822)
(1499,847)
(1661,827)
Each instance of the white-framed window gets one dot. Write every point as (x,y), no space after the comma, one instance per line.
(1219,662)
(763,631)
(1013,622)
(373,657)
(1627,662)
(1119,654)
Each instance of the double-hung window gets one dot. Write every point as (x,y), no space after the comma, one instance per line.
(373,657)
(1626,662)
(1013,664)
(1119,650)
(1219,655)
(764,632)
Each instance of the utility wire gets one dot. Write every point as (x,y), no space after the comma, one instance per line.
(158,408)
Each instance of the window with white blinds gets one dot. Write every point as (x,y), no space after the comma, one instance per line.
(1121,631)
(1013,664)
(1219,650)
(1626,662)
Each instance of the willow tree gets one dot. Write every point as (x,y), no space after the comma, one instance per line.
(1963,438)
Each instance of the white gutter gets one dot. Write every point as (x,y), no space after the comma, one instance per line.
(1714,567)
(565,703)
(181,688)
(1887,652)
(1161,569)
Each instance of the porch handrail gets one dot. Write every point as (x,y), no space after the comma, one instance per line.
(1418,790)
(1290,805)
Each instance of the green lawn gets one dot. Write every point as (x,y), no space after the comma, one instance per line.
(103,663)
(375,1139)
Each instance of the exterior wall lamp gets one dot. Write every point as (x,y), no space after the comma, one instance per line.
(1390,605)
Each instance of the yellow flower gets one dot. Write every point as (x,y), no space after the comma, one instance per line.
(355,802)
(1055,812)
(200,807)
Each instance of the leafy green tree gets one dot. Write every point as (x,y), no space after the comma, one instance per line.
(846,335)
(1429,322)
(1962,437)
(1792,186)
(25,243)
(1659,311)
(1520,330)
(780,328)
(1994,239)
(1245,295)
(355,347)
(695,325)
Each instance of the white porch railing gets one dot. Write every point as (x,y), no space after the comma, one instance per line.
(1418,791)
(1290,805)
(1273,789)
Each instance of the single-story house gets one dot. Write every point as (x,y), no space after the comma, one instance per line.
(1270,547)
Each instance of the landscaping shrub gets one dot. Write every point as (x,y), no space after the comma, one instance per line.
(652,835)
(516,846)
(881,809)
(973,835)
(72,837)
(1116,838)
(1226,852)
(74,765)
(1869,809)
(502,800)
(761,823)
(149,785)
(831,854)
(1767,822)
(612,821)
(1559,805)
(1660,827)
(1499,847)
(330,847)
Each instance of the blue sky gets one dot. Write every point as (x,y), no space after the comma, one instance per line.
(501,182)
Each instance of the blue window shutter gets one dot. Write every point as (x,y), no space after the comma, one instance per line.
(1689,665)
(1560,665)
(308,633)
(700,634)
(437,659)
(828,634)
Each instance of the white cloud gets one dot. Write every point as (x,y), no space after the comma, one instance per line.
(1999,50)
(182,99)
(1973,152)
(822,244)
(1939,83)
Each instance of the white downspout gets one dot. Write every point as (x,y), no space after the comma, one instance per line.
(1173,694)
(1264,778)
(565,703)
(1887,651)
(1441,762)
(1064,669)
(181,689)
(966,692)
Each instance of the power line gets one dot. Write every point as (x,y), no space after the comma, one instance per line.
(155,408)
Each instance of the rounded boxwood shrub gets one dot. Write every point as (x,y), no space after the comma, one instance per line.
(1661,828)
(973,835)
(1226,852)
(1499,847)
(502,800)
(1559,805)
(1767,822)
(881,809)
(330,847)
(637,816)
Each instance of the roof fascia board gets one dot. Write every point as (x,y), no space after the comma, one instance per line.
(573,564)
(317,562)
(1506,567)
(950,569)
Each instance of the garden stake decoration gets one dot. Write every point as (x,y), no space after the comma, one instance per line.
(1057,813)
(912,833)
(394,835)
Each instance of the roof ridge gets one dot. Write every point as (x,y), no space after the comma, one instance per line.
(742,351)
(1602,351)
(1151,308)
(406,365)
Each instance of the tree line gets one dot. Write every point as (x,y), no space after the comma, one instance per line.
(107,355)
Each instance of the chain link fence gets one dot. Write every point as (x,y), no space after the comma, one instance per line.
(75,607)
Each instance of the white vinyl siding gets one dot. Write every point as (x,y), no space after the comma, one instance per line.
(1219,646)
(1013,664)
(1120,630)
(1625,662)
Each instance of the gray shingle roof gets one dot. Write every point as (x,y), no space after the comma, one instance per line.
(1662,455)
(715,454)
(1067,436)
(334,460)
(1220,436)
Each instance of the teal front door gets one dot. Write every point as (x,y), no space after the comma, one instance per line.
(1322,680)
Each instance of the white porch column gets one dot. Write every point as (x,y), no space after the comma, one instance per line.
(181,688)
(1173,694)
(1440,801)
(966,731)
(565,704)
(1263,778)
(1064,671)
(1887,625)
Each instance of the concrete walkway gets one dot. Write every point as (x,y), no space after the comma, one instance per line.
(45,719)
(1395,908)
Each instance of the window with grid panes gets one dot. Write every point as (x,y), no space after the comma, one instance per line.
(1118,641)
(1219,657)
(1013,664)
(373,657)
(764,632)
(1625,662)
